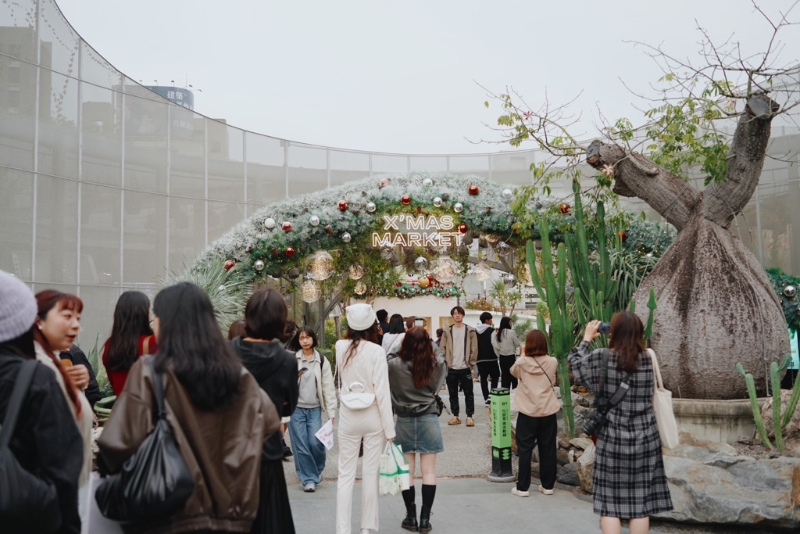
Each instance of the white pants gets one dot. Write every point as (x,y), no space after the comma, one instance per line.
(353,427)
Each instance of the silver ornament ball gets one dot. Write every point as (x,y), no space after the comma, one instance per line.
(269,223)
(314,220)
(371,207)
(437,202)
(346,237)
(789,291)
(458,207)
(427,182)
(421,263)
(259,265)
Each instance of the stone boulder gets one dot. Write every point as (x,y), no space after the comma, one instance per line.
(712,484)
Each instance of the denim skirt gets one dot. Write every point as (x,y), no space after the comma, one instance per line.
(420,434)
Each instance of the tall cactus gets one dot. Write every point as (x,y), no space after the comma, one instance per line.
(553,292)
(595,286)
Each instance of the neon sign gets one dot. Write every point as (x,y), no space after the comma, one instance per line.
(417,231)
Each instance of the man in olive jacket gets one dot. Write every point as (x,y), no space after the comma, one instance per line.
(460,348)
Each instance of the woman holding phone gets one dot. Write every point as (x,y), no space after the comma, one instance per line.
(317,395)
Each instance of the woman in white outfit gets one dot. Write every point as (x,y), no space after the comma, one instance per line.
(361,365)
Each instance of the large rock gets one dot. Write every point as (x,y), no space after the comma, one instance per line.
(568,474)
(717,486)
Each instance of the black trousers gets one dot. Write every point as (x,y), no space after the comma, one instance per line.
(488,369)
(506,380)
(463,377)
(530,432)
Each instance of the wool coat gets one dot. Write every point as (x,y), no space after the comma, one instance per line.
(629,478)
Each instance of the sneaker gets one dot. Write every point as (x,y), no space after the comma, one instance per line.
(545,491)
(518,493)
(454,421)
(310,487)
(470,421)
(487,402)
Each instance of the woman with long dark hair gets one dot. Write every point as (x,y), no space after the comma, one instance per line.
(45,439)
(415,377)
(262,353)
(506,345)
(537,405)
(629,478)
(394,337)
(218,413)
(361,368)
(131,337)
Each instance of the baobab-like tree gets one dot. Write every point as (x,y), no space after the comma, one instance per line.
(715,303)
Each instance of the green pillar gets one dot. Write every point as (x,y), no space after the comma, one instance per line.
(501,436)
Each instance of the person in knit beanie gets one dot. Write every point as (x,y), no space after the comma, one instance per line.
(45,439)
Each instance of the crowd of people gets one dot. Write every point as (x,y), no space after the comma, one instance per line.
(225,402)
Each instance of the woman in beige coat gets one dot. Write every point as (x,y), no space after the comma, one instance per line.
(537,405)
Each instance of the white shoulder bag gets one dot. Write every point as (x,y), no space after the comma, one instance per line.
(662,405)
(356,396)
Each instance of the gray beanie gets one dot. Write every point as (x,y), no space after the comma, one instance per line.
(17,307)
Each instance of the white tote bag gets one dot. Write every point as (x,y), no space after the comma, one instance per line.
(662,405)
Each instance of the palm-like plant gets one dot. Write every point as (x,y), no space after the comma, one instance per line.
(228,295)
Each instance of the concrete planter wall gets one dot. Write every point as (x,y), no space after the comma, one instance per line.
(715,420)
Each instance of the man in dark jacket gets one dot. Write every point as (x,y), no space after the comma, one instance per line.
(78,357)
(487,359)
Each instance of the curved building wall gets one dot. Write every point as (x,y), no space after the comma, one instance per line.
(106,186)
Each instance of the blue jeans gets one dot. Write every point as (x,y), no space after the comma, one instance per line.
(309,452)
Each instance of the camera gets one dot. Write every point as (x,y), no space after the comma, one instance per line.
(604,328)
(594,422)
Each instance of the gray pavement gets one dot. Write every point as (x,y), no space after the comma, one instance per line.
(465,501)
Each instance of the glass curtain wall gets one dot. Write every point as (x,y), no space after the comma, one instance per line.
(106,186)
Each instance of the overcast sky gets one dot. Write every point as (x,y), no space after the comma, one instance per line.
(402,76)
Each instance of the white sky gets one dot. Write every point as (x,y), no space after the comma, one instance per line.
(401,76)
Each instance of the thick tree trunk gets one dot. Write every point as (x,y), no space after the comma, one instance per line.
(716,306)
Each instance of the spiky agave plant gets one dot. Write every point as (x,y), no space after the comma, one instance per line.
(228,295)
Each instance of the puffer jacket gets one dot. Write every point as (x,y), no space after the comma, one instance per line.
(535,396)
(221,448)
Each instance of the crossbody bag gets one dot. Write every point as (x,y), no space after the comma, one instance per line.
(356,396)
(599,416)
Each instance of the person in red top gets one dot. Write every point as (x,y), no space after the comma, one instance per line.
(131,337)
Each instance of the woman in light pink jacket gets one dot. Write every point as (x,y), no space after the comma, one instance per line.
(537,404)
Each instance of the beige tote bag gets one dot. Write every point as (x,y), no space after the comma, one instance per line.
(662,405)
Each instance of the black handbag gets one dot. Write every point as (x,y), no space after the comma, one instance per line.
(155,482)
(27,503)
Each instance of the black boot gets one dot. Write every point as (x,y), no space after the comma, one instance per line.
(410,522)
(425,519)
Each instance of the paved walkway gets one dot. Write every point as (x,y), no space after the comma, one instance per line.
(465,501)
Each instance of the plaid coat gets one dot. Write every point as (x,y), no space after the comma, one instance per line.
(629,479)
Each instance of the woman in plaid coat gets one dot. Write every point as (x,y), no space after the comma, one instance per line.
(629,479)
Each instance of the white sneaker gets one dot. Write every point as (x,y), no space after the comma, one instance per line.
(545,491)
(518,493)
(310,487)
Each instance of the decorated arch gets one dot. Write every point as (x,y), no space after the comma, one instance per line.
(398,236)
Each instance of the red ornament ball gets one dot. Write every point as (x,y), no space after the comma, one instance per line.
(230,264)
(462,228)
(274,251)
(286,226)
(384,182)
(329,230)
(289,252)
(564,208)
(473,190)
(342,205)
(406,200)
(623,235)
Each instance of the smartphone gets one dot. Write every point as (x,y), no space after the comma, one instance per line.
(303,370)
(604,328)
